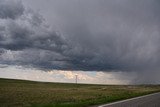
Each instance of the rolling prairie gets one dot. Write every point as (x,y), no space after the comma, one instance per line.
(22,93)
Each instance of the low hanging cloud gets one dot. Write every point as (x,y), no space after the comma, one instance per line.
(93,35)
(112,35)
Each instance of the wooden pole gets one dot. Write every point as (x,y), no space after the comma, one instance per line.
(76,79)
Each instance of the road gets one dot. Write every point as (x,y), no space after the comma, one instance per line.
(151,100)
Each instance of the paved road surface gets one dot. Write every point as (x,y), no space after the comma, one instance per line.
(152,100)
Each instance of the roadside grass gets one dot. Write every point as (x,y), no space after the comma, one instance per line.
(21,93)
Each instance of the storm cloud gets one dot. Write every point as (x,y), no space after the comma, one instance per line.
(112,35)
(10,9)
(92,35)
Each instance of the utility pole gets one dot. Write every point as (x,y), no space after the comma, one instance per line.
(76,78)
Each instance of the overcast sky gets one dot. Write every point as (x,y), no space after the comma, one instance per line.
(118,37)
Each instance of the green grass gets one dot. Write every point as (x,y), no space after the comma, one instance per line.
(20,93)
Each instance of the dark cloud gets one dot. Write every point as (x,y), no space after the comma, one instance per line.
(111,35)
(93,35)
(28,40)
(2,51)
(29,31)
(10,9)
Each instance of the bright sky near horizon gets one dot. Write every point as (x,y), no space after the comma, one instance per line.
(89,77)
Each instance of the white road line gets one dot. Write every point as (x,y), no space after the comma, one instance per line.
(128,99)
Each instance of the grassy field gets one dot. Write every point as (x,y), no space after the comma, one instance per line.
(18,93)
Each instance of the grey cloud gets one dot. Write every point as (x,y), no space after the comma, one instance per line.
(15,37)
(29,41)
(2,51)
(93,35)
(106,35)
(10,9)
(3,66)
(37,58)
(29,31)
